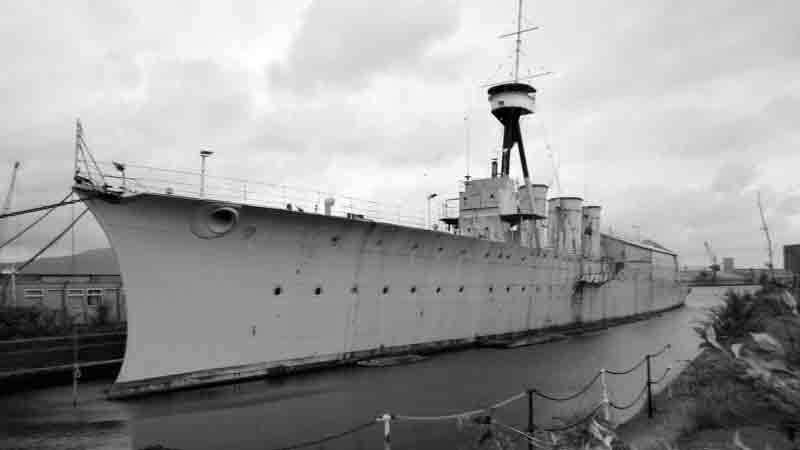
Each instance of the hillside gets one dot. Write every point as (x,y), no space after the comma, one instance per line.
(99,261)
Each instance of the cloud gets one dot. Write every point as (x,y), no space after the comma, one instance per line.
(669,115)
(733,178)
(344,44)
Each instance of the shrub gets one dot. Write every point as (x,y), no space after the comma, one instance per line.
(24,322)
(733,319)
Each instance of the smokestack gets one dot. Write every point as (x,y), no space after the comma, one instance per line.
(553,207)
(571,222)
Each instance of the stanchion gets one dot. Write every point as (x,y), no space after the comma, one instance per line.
(605,400)
(386,418)
(649,390)
(530,417)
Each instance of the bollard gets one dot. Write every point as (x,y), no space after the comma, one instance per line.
(606,401)
(649,390)
(530,417)
(386,418)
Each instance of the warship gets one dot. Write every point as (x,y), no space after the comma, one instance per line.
(230,286)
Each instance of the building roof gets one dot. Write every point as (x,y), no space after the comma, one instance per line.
(100,261)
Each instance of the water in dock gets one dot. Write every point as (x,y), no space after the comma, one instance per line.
(278,412)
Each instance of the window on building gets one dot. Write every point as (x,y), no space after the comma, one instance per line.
(94,297)
(76,296)
(34,295)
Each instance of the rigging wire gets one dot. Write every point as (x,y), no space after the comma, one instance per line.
(32,224)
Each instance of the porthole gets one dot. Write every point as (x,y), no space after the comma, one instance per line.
(354,289)
(523,288)
(500,255)
(334,240)
(413,289)
(508,256)
(461,289)
(438,289)
(278,290)
(415,246)
(441,249)
(486,255)
(379,242)
(508,288)
(317,290)
(523,259)
(491,289)
(385,290)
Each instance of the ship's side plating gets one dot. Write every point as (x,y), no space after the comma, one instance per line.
(221,291)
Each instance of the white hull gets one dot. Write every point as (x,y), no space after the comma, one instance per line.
(206,310)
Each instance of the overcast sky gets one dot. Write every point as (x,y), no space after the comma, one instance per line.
(669,114)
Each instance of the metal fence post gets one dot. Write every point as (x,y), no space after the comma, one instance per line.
(386,418)
(530,417)
(649,390)
(605,400)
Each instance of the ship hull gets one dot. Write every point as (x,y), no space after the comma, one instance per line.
(286,290)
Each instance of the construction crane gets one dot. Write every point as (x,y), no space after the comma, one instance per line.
(765,228)
(10,271)
(712,258)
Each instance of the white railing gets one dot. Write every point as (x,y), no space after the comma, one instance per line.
(140,179)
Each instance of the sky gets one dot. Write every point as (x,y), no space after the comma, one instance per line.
(671,115)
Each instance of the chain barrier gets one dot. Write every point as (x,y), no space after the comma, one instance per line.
(582,391)
(331,437)
(660,352)
(625,372)
(661,378)
(464,414)
(489,420)
(630,404)
(578,422)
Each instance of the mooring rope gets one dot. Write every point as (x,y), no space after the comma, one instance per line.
(33,224)
(52,242)
(40,208)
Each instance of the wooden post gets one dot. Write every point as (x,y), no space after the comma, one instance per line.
(530,417)
(64,311)
(386,418)
(649,390)
(76,370)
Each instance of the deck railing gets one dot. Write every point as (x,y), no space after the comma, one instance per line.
(141,179)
